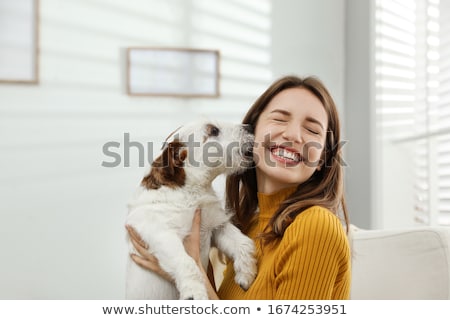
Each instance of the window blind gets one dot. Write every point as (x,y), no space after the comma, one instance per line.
(442,114)
(412,83)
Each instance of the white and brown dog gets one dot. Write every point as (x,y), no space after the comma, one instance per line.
(161,212)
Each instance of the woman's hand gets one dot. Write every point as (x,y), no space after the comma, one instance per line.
(192,241)
(191,244)
(148,261)
(145,259)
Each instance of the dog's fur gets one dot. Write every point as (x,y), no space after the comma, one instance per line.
(163,208)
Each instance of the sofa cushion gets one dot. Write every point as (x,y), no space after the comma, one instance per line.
(408,263)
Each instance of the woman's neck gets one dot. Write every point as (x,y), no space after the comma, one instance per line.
(269,186)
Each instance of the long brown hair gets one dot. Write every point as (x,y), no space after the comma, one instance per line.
(324,188)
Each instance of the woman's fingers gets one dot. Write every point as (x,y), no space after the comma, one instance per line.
(143,258)
(142,251)
(140,246)
(150,264)
(144,263)
(136,237)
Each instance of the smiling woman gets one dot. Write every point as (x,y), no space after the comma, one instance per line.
(290,203)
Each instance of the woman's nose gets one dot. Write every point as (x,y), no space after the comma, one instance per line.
(292,133)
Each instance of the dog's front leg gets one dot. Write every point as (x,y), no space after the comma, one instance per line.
(174,260)
(241,249)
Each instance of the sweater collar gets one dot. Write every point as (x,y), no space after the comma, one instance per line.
(269,202)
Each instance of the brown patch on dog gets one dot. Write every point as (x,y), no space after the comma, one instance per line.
(167,169)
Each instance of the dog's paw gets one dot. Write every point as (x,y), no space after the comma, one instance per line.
(245,266)
(194,291)
(244,278)
(194,295)
(246,270)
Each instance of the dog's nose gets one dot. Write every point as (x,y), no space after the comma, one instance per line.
(247,127)
(247,149)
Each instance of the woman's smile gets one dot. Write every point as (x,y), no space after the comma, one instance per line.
(286,155)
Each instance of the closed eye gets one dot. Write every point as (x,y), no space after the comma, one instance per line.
(313,131)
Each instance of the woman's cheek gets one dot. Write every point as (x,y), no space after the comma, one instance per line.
(314,152)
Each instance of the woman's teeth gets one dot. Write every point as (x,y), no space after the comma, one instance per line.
(283,153)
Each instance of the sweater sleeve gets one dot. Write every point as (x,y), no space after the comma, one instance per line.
(314,258)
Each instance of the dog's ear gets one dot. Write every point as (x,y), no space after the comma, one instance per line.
(167,169)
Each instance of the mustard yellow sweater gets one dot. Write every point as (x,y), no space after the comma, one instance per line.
(311,261)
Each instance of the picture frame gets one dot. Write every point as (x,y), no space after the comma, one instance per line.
(173,72)
(19,37)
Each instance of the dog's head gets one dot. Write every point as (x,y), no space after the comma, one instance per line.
(198,152)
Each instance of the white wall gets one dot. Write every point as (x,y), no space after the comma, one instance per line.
(397,186)
(309,39)
(62,212)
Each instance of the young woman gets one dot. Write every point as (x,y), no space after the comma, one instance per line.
(291,202)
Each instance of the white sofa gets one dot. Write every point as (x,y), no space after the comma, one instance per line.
(403,264)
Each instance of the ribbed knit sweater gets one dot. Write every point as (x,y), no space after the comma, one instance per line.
(311,261)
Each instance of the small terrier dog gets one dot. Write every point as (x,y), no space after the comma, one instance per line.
(162,210)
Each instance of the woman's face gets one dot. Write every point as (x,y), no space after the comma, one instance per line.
(289,139)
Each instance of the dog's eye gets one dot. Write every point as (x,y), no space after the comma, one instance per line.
(212,130)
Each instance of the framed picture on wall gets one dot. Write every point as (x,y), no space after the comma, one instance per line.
(19,41)
(172,72)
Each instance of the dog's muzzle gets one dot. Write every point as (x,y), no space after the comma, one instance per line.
(246,145)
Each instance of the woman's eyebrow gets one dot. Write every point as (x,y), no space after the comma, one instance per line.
(284,112)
